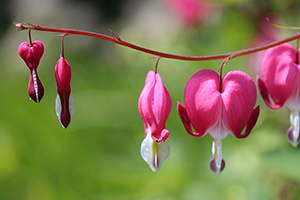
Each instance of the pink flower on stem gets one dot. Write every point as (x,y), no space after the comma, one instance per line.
(32,54)
(154,107)
(64,101)
(218,108)
(64,104)
(280,71)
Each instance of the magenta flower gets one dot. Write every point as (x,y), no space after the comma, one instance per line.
(154,107)
(219,108)
(32,55)
(64,101)
(280,71)
(191,12)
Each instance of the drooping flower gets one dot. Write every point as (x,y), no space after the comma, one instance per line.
(280,71)
(64,104)
(154,107)
(32,55)
(219,108)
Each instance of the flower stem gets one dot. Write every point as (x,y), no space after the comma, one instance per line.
(118,40)
(30,41)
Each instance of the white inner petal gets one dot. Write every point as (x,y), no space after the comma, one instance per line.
(154,153)
(58,106)
(295,125)
(35,84)
(71,105)
(217,152)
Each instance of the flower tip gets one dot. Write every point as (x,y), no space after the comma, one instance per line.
(64,110)
(294,138)
(215,168)
(154,153)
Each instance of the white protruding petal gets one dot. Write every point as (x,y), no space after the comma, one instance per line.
(71,105)
(58,106)
(296,126)
(35,84)
(154,153)
(217,154)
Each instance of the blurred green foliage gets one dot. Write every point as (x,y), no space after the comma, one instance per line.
(97,157)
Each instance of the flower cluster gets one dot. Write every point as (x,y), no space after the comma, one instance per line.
(32,53)
(212,104)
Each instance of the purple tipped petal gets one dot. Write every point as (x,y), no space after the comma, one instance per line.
(214,168)
(290,135)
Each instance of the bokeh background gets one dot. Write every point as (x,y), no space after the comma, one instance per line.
(98,156)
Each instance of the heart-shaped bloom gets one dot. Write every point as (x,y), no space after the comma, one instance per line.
(32,55)
(219,108)
(280,70)
(154,107)
(64,105)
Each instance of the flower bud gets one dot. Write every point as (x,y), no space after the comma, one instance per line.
(64,105)
(32,56)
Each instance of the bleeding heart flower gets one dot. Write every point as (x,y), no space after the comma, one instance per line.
(64,101)
(280,70)
(32,55)
(154,107)
(219,108)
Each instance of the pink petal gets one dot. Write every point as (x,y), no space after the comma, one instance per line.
(280,72)
(35,87)
(203,101)
(155,106)
(239,97)
(251,123)
(31,54)
(265,94)
(63,76)
(186,120)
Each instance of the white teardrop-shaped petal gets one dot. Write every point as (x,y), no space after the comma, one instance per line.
(293,131)
(217,162)
(71,105)
(35,85)
(58,107)
(154,153)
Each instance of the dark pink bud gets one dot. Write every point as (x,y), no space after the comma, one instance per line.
(155,106)
(32,56)
(64,100)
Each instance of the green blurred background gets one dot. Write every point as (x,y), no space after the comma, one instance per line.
(98,156)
